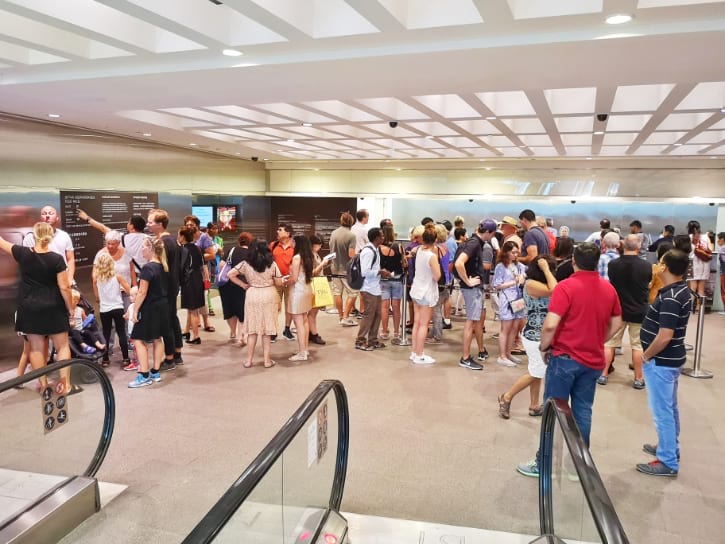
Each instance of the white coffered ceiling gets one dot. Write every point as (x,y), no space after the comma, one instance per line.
(322,79)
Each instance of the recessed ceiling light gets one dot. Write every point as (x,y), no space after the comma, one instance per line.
(490,118)
(589,158)
(147,134)
(265,159)
(54,115)
(192,144)
(489,168)
(429,137)
(306,124)
(722,110)
(599,133)
(677,144)
(237,153)
(618,19)
(290,141)
(232,53)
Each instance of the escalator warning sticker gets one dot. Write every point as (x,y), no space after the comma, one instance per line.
(317,436)
(54,406)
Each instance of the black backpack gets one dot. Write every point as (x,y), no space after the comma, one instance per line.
(355,277)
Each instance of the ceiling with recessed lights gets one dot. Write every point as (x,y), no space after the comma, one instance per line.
(322,80)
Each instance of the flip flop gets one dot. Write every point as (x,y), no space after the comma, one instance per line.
(210,329)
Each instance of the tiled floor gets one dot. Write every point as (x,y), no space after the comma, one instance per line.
(427,444)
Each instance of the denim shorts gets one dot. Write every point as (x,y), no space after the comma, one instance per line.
(391,290)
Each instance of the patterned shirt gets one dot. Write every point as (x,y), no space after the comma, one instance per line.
(670,310)
(604,260)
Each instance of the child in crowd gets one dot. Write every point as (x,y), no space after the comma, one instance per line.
(132,366)
(84,331)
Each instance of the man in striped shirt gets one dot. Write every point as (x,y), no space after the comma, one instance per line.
(663,340)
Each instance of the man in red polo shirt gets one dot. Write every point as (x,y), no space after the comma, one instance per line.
(583,313)
(282,251)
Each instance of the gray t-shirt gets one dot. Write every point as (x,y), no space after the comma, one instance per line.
(341,240)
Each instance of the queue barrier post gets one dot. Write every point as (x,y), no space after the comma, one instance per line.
(696,371)
(404,312)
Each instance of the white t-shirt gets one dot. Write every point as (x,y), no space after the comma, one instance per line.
(132,241)
(361,235)
(123,265)
(60,243)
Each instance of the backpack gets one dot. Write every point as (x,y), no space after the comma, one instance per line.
(355,277)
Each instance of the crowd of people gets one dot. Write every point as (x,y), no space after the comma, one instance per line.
(565,306)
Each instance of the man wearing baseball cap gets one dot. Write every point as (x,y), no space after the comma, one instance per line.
(472,266)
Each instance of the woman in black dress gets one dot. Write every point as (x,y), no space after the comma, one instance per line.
(192,290)
(44,299)
(150,312)
(232,295)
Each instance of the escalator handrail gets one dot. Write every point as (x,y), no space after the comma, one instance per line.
(109,402)
(557,411)
(213,522)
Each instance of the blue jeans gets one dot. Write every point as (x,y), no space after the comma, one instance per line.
(662,397)
(565,379)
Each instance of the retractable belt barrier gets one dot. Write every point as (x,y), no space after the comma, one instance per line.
(696,371)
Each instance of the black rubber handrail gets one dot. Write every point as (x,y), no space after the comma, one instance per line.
(109,402)
(213,522)
(557,411)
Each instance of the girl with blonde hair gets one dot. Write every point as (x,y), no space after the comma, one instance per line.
(109,287)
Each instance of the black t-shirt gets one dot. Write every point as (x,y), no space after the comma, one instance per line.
(173,258)
(39,277)
(564,269)
(473,250)
(154,274)
(630,276)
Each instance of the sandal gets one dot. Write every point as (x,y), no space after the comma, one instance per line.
(209,329)
(536,412)
(247,364)
(270,364)
(503,407)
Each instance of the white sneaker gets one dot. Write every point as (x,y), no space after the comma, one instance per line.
(412,356)
(301,356)
(515,359)
(505,362)
(348,322)
(423,360)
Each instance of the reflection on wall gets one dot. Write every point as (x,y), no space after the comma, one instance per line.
(582,218)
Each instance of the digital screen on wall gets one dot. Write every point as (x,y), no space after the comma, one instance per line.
(204,213)
(113,209)
(227,218)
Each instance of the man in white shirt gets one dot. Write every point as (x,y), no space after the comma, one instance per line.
(596,236)
(61,242)
(360,229)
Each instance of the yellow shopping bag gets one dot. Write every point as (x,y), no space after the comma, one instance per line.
(321,292)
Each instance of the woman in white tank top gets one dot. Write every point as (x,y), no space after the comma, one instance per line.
(424,293)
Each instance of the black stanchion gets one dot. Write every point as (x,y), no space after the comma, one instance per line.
(404,313)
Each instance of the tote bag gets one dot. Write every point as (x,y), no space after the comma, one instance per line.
(321,293)
(223,276)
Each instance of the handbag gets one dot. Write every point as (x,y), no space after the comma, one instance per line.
(704,254)
(321,292)
(223,276)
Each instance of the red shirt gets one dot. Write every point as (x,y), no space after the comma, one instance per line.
(586,303)
(282,256)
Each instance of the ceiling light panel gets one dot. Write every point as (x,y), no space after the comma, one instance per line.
(535,9)
(212,118)
(25,55)
(478,127)
(650,150)
(20,28)
(245,134)
(720,124)
(221,22)
(342,110)
(627,123)
(708,137)
(687,150)
(414,14)
(251,115)
(319,18)
(360,144)
(293,112)
(683,121)
(392,108)
(215,136)
(535,139)
(389,143)
(576,139)
(513,152)
(449,153)
(313,132)
(398,132)
(631,98)
(102,19)
(613,150)
(353,131)
(544,151)
(575,124)
(578,150)
(277,132)
(458,141)
(567,101)
(619,138)
(450,106)
(161,119)
(433,128)
(709,95)
(525,126)
(327,144)
(499,141)
(423,142)
(667,138)
(642,4)
(481,152)
(507,103)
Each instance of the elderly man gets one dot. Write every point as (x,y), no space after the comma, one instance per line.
(610,246)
